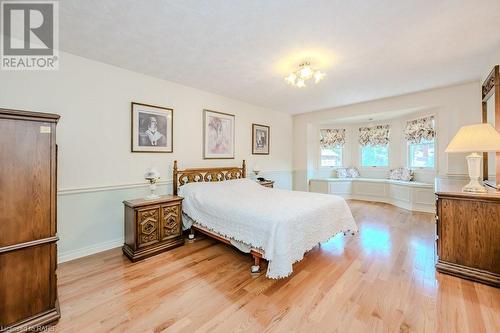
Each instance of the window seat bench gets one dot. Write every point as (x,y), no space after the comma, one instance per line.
(414,196)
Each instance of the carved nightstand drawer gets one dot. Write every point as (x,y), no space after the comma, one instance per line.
(152,226)
(148,226)
(170,217)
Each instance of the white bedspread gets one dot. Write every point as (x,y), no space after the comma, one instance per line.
(284,224)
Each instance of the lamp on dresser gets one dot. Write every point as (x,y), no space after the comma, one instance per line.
(473,139)
(468,217)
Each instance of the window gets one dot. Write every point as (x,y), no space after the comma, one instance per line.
(421,155)
(420,135)
(375,156)
(331,144)
(331,157)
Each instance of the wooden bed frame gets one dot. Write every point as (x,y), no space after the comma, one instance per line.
(182,177)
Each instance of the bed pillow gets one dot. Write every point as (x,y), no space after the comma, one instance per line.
(342,173)
(353,172)
(401,174)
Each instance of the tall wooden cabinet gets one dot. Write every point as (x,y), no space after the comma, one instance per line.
(28,235)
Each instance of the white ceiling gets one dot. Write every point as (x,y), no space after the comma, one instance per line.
(243,48)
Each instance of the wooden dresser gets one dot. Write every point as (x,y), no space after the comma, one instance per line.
(152,226)
(28,253)
(468,232)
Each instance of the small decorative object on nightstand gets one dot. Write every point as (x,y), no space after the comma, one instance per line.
(265,182)
(152,226)
(152,176)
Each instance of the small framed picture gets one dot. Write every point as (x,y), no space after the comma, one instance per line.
(152,129)
(261,136)
(218,135)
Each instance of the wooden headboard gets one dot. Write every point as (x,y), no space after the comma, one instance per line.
(182,177)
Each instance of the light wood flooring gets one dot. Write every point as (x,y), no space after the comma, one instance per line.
(381,280)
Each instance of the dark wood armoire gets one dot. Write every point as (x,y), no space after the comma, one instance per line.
(28,235)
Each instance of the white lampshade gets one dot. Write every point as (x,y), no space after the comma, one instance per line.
(475,138)
(151,174)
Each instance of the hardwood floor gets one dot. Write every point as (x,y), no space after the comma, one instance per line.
(381,280)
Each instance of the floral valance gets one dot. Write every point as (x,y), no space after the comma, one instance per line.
(374,136)
(420,129)
(330,138)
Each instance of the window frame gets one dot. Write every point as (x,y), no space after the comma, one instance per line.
(408,158)
(385,167)
(331,167)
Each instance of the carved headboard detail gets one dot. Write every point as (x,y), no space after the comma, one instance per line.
(182,177)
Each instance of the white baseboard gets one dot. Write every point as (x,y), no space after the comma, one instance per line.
(88,250)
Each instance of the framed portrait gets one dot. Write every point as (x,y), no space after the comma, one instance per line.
(261,136)
(152,129)
(218,135)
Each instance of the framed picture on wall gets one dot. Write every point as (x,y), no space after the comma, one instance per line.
(152,129)
(261,136)
(218,135)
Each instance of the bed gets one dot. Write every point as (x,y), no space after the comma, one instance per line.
(277,225)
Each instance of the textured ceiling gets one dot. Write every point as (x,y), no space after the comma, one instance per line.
(243,48)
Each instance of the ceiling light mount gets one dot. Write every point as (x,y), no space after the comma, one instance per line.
(304,73)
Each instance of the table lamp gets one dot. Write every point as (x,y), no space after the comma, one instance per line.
(152,176)
(256,169)
(474,139)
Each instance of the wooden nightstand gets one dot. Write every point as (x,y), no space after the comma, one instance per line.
(267,183)
(152,226)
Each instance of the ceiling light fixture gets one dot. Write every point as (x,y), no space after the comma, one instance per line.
(299,77)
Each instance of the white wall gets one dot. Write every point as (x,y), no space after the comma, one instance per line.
(453,107)
(97,171)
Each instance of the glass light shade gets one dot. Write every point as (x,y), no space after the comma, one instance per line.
(306,72)
(318,76)
(475,138)
(290,79)
(302,74)
(151,174)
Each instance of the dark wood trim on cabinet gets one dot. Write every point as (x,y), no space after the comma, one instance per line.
(28,115)
(468,273)
(29,244)
(490,86)
(35,323)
